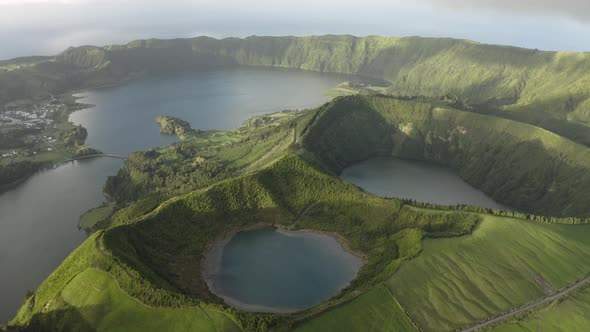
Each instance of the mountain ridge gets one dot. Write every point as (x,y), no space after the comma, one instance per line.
(544,88)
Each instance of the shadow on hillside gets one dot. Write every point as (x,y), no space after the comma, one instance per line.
(520,172)
(69,319)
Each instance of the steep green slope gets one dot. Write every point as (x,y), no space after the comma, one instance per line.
(278,194)
(153,258)
(504,264)
(523,166)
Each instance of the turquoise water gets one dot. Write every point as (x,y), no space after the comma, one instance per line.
(417,180)
(277,271)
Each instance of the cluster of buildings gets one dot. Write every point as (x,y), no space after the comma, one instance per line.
(37,117)
(31,117)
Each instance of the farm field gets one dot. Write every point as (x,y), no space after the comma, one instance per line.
(376,310)
(569,314)
(504,264)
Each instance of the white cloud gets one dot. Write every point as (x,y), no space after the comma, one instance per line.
(48,26)
(578,9)
(37,2)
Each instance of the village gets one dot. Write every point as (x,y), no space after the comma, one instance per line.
(33,123)
(35,117)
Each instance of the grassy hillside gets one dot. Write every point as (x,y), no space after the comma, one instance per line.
(504,264)
(523,166)
(105,307)
(564,315)
(376,310)
(153,258)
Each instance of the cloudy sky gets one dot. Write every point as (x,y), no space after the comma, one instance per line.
(49,26)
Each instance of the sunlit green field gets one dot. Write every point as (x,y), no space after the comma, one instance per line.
(376,310)
(505,263)
(105,307)
(91,217)
(569,314)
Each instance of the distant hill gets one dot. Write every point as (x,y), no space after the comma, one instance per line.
(531,85)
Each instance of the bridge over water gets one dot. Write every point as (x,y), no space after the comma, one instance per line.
(96,155)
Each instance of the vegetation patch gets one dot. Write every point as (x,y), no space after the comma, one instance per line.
(91,218)
(564,315)
(170,125)
(105,307)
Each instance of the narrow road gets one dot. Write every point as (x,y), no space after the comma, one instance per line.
(530,306)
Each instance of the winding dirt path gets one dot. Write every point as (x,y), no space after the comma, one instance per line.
(530,306)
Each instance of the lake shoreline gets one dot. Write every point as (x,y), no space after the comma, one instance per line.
(341,239)
(52,164)
(211,264)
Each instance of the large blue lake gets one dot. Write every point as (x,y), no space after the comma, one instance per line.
(124,119)
(269,270)
(38,219)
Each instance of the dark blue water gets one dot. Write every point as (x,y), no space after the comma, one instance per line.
(38,224)
(277,271)
(124,119)
(417,180)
